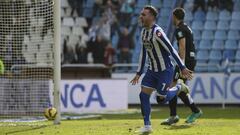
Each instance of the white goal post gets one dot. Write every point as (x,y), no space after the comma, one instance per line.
(57,58)
(30,51)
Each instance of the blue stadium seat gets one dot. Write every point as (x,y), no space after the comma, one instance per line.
(188,6)
(207,35)
(236,67)
(163,21)
(165,12)
(141,3)
(212,67)
(234,25)
(199,15)
(214,61)
(223,25)
(218,45)
(197,25)
(197,35)
(205,45)
(215,56)
(220,35)
(231,45)
(201,67)
(188,16)
(212,16)
(210,25)
(196,44)
(167,3)
(230,54)
(156,3)
(225,15)
(237,57)
(233,35)
(236,15)
(202,56)
(189,23)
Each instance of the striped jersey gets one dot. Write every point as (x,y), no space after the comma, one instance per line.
(157,47)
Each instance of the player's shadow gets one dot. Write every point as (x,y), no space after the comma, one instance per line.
(28,128)
(176,127)
(144,133)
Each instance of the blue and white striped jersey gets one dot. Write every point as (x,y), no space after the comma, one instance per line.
(157,47)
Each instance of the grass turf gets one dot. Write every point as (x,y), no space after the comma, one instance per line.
(215,121)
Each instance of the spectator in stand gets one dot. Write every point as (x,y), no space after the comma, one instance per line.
(68,53)
(199,15)
(197,4)
(212,5)
(110,6)
(92,32)
(97,48)
(98,7)
(226,4)
(105,27)
(125,44)
(126,12)
(109,55)
(76,5)
(110,12)
(81,51)
(117,5)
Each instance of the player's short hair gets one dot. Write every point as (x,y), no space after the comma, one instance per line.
(152,10)
(179,13)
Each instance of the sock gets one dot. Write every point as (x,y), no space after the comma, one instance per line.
(173,106)
(187,100)
(145,107)
(172,92)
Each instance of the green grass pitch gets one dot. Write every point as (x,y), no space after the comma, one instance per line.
(215,121)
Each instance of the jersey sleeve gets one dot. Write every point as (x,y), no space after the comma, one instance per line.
(179,34)
(163,41)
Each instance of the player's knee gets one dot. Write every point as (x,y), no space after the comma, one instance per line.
(160,100)
(143,96)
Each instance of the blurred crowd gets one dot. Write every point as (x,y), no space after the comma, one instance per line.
(112,18)
(109,18)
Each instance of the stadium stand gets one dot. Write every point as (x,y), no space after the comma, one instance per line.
(218,44)
(216,31)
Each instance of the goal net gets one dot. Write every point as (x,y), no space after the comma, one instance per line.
(27,51)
